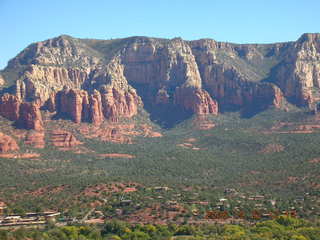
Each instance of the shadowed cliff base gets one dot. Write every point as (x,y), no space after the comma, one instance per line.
(165,115)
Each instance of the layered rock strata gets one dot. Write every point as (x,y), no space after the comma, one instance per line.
(88,80)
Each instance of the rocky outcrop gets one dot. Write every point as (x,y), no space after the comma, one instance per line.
(72,104)
(109,79)
(111,104)
(64,139)
(49,65)
(95,114)
(39,82)
(1,81)
(298,74)
(10,107)
(7,143)
(25,114)
(197,101)
(30,116)
(35,139)
(117,103)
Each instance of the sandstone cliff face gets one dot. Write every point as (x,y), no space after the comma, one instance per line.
(52,64)
(298,75)
(96,114)
(111,104)
(167,64)
(30,116)
(169,72)
(9,107)
(227,72)
(39,82)
(26,114)
(7,143)
(93,80)
(196,100)
(1,81)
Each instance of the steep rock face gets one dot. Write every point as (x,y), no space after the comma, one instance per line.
(1,81)
(159,68)
(25,114)
(111,104)
(104,79)
(49,65)
(196,100)
(260,96)
(169,63)
(116,103)
(30,116)
(7,143)
(9,107)
(39,82)
(298,75)
(72,104)
(229,73)
(96,114)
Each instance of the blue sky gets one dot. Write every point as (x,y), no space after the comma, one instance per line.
(243,21)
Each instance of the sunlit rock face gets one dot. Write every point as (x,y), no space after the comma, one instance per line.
(87,80)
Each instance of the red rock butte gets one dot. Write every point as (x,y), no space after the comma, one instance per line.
(87,80)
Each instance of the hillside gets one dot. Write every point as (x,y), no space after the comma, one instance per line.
(76,113)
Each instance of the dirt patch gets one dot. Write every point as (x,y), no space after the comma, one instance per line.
(95,221)
(191,140)
(116,155)
(118,133)
(293,128)
(148,132)
(309,127)
(315,160)
(188,145)
(20,155)
(272,148)
(110,133)
(100,189)
(203,123)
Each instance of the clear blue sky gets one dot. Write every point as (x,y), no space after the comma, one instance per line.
(243,21)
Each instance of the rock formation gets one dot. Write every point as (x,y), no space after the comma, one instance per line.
(7,143)
(196,100)
(62,138)
(1,81)
(95,114)
(91,80)
(36,139)
(10,107)
(26,114)
(30,116)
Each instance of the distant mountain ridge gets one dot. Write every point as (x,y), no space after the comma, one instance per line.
(89,80)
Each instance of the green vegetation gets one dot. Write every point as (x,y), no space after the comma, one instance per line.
(244,154)
(282,228)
